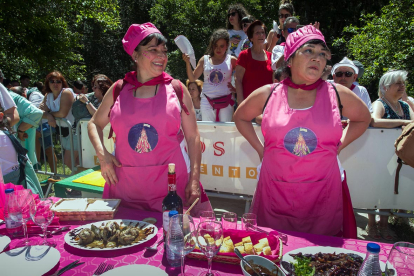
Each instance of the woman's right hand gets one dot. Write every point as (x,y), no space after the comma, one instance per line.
(186,58)
(107,168)
(51,120)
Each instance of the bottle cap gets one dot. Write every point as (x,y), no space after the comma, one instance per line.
(373,247)
(172,213)
(8,191)
(171,168)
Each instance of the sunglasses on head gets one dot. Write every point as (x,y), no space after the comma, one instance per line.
(55,81)
(232,14)
(347,74)
(284,15)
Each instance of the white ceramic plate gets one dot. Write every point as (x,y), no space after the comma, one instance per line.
(323,249)
(4,242)
(70,241)
(133,270)
(32,260)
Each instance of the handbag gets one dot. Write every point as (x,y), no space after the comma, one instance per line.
(79,110)
(404,148)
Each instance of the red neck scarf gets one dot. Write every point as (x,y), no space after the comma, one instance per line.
(131,78)
(312,86)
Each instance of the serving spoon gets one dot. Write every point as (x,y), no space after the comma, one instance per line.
(247,263)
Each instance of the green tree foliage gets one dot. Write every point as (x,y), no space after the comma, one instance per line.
(197,19)
(39,36)
(383,42)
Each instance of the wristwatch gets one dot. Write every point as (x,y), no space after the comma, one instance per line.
(88,102)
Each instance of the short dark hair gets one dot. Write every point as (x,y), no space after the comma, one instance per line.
(286,5)
(250,30)
(18,90)
(78,84)
(160,40)
(248,19)
(278,73)
(289,20)
(241,12)
(23,77)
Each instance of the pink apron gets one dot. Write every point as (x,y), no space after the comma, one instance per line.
(300,184)
(148,138)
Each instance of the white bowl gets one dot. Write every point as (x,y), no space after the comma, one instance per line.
(262,262)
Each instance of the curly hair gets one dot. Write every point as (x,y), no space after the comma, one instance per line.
(104,83)
(287,5)
(216,36)
(55,74)
(241,12)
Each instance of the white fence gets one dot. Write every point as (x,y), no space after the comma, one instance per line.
(229,165)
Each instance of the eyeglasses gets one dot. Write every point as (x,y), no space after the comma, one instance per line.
(291,30)
(245,25)
(284,15)
(347,74)
(55,81)
(232,14)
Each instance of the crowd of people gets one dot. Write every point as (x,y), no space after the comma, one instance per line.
(280,81)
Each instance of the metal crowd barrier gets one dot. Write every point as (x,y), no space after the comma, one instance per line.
(54,137)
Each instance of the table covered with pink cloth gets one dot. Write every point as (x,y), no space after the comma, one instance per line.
(139,255)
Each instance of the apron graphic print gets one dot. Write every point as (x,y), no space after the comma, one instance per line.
(300,141)
(216,77)
(143,138)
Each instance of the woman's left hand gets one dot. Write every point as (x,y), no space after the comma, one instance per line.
(192,191)
(83,98)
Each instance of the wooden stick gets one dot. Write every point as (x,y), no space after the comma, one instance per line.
(192,205)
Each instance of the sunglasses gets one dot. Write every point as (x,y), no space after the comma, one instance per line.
(246,25)
(55,81)
(291,30)
(286,15)
(347,74)
(232,14)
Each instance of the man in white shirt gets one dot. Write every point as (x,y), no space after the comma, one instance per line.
(277,53)
(345,72)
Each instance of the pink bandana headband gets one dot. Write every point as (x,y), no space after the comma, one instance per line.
(300,37)
(135,34)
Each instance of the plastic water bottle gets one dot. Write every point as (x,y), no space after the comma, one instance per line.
(173,259)
(371,265)
(12,226)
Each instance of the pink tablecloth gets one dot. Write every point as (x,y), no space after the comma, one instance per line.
(139,255)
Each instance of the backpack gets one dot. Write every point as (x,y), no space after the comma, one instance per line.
(178,89)
(404,148)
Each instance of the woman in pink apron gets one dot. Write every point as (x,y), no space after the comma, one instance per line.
(149,124)
(300,186)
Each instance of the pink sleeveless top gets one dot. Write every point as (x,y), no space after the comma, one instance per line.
(300,184)
(148,138)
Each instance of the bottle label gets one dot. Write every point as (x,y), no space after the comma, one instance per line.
(165,222)
(172,182)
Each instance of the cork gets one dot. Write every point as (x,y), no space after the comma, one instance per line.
(171,168)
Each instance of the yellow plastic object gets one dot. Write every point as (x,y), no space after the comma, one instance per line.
(95,178)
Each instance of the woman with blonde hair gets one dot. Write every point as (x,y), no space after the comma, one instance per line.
(195,89)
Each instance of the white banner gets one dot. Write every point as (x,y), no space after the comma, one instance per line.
(229,164)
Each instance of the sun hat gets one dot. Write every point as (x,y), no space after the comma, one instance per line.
(345,62)
(300,37)
(360,68)
(135,34)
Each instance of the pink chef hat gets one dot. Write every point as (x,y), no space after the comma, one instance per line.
(300,37)
(135,34)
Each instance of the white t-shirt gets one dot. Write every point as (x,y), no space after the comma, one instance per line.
(54,105)
(277,53)
(8,155)
(36,98)
(362,93)
(6,100)
(235,49)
